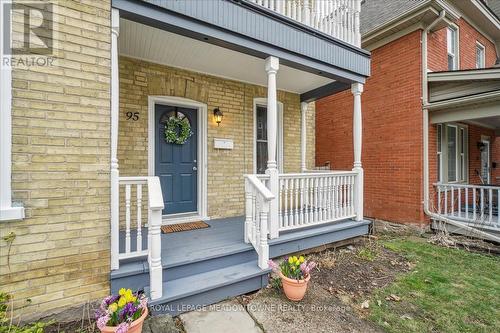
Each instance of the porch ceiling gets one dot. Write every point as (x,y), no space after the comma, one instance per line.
(159,46)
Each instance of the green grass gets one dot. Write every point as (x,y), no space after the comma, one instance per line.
(449,290)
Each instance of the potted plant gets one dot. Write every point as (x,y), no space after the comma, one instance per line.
(295,273)
(122,313)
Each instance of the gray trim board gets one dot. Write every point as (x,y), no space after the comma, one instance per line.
(295,48)
(323,91)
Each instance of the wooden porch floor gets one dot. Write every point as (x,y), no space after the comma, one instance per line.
(226,236)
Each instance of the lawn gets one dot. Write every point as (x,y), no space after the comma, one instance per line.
(448,290)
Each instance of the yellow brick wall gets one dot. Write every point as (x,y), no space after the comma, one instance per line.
(139,79)
(60,169)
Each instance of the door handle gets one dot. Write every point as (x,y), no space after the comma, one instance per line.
(195,168)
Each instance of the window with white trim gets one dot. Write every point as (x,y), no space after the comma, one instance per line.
(452,153)
(452,47)
(439,153)
(480,55)
(260,136)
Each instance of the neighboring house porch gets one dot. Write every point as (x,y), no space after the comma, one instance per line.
(465,123)
(245,163)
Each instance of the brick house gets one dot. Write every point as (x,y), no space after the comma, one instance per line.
(432,62)
(124,116)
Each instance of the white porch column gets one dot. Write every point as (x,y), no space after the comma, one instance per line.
(303,136)
(272,66)
(7,211)
(357,89)
(115,31)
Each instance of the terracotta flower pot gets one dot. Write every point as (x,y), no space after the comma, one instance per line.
(294,289)
(135,326)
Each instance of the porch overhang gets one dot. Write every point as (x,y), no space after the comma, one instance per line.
(241,28)
(468,96)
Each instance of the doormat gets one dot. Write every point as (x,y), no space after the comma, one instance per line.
(168,229)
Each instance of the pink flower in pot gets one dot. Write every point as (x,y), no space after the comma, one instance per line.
(123,313)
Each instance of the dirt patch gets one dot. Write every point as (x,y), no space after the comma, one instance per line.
(354,272)
(72,327)
(317,312)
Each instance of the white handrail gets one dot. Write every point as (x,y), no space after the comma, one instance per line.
(155,202)
(475,204)
(307,199)
(131,186)
(257,205)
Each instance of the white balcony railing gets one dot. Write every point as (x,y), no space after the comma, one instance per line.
(337,18)
(313,198)
(133,229)
(475,204)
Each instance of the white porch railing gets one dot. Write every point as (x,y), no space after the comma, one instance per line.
(337,18)
(314,198)
(477,204)
(257,198)
(133,229)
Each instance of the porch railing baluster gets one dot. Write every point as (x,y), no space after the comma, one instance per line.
(476,204)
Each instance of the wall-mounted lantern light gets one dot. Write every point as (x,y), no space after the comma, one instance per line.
(218,116)
(481,146)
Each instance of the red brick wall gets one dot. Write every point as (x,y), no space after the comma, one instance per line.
(392,132)
(468,36)
(392,124)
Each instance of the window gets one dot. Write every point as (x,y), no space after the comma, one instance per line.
(261,139)
(439,153)
(452,47)
(260,135)
(463,146)
(480,55)
(452,153)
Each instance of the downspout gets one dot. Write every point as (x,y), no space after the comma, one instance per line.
(425,103)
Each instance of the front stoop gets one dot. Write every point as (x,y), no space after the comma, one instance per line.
(201,278)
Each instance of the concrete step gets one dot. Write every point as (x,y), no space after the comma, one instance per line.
(194,291)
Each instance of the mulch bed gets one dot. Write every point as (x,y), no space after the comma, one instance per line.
(356,271)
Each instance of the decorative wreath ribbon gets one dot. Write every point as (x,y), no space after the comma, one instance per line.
(177,130)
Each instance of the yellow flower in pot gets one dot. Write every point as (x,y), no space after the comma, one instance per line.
(295,273)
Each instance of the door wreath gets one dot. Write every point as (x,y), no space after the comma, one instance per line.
(177,130)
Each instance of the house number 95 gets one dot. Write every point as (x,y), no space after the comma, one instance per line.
(133,116)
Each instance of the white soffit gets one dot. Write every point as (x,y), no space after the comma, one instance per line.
(162,47)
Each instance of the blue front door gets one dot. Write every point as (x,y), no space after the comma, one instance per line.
(175,164)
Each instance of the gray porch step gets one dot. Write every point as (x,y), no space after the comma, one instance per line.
(135,275)
(191,292)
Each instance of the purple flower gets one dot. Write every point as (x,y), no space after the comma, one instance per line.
(274,266)
(102,321)
(128,310)
(110,299)
(122,328)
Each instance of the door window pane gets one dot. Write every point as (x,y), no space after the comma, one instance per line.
(452,153)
